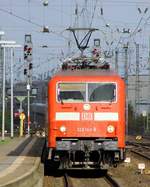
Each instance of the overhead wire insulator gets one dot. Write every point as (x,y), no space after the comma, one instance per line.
(76,10)
(146,9)
(101,11)
(118,30)
(45,29)
(45,3)
(139,10)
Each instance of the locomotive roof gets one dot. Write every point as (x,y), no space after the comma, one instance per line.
(89,72)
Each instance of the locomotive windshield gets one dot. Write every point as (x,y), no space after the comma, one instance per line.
(101,91)
(86,92)
(71,92)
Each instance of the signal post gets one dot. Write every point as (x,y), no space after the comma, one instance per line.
(22,118)
(27,72)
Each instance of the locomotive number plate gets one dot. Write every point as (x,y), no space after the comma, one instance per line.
(86,116)
(86,129)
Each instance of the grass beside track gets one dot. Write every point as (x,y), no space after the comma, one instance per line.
(6,141)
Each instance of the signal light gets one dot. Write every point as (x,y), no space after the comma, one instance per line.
(25,56)
(25,47)
(28,52)
(25,71)
(30,66)
(16,114)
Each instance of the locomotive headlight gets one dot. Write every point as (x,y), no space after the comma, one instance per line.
(110,129)
(63,129)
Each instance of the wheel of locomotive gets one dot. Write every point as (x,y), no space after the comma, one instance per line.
(44,160)
(50,166)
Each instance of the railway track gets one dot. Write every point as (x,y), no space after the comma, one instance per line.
(142,149)
(66,180)
(111,181)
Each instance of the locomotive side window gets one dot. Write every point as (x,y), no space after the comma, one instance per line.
(98,92)
(71,92)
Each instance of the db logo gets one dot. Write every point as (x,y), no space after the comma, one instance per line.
(87,116)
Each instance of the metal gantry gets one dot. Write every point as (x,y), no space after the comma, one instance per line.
(126,81)
(116,60)
(1,71)
(3,43)
(11,47)
(28,60)
(137,88)
(3,46)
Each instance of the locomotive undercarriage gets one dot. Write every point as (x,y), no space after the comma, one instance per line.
(88,154)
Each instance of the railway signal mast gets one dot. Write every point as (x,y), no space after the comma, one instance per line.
(27,71)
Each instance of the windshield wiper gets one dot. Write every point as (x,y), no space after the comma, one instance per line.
(60,99)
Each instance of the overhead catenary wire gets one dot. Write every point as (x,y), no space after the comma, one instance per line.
(20,17)
(29,15)
(31,22)
(129,3)
(138,25)
(104,2)
(137,28)
(106,25)
(93,13)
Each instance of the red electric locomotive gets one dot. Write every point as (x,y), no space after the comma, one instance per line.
(86,112)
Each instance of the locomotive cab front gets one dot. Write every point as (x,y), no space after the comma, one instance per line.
(86,119)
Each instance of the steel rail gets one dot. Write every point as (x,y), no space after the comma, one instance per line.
(67,182)
(139,149)
(111,181)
